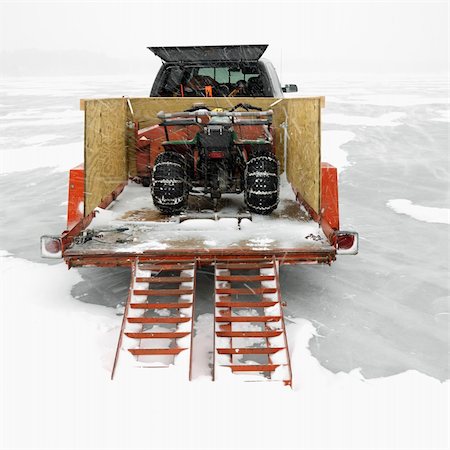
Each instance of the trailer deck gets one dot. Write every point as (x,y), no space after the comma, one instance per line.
(132,226)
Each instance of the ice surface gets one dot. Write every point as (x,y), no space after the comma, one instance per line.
(386,120)
(423,213)
(376,324)
(64,380)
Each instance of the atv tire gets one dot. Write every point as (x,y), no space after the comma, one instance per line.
(262,183)
(169,183)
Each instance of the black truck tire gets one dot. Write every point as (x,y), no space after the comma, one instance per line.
(262,183)
(169,183)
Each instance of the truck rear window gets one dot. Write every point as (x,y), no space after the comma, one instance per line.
(216,81)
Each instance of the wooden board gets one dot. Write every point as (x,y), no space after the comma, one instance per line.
(105,154)
(109,144)
(303,148)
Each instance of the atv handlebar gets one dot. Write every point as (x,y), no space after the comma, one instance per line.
(203,112)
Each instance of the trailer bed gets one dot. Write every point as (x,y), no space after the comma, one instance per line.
(132,226)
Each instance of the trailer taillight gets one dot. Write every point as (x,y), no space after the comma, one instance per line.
(347,242)
(51,247)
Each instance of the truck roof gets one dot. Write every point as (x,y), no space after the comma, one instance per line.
(208,53)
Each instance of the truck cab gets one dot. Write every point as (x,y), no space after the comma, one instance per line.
(216,71)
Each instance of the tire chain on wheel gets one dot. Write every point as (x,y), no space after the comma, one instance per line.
(169,183)
(262,183)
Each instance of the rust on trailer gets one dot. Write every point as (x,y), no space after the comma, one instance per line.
(204,258)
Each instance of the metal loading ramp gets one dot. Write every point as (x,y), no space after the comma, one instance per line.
(250,340)
(250,335)
(157,326)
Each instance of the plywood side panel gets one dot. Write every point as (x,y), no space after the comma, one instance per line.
(131,137)
(105,154)
(303,149)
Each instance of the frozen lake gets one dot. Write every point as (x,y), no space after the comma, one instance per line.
(384,311)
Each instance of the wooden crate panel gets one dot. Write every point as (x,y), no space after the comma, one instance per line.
(105,153)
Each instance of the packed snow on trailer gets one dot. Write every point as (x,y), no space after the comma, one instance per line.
(217,169)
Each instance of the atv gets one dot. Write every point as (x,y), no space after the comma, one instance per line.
(217,160)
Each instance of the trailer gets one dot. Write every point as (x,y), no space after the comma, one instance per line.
(112,222)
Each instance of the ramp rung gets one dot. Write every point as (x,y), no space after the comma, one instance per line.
(245,278)
(166,266)
(231,304)
(156,335)
(244,266)
(143,333)
(155,351)
(267,295)
(253,367)
(249,351)
(160,305)
(248,334)
(246,291)
(158,319)
(247,318)
(162,292)
(164,279)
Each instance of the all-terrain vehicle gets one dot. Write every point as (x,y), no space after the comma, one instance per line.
(232,151)
(217,159)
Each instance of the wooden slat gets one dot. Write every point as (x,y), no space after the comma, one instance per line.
(245,304)
(164,279)
(158,319)
(253,367)
(246,291)
(245,277)
(156,335)
(162,292)
(105,153)
(303,148)
(247,318)
(249,351)
(161,305)
(248,334)
(155,351)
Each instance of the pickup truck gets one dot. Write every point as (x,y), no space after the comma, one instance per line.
(202,98)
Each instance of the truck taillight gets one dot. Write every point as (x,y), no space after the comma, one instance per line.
(347,242)
(51,247)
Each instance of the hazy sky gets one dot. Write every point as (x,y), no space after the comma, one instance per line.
(336,36)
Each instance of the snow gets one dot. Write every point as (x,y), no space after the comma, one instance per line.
(368,336)
(57,383)
(332,152)
(385,120)
(391,100)
(418,212)
(59,157)
(40,139)
(260,233)
(444,115)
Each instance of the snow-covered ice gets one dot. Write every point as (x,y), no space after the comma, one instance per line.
(391,119)
(418,212)
(368,336)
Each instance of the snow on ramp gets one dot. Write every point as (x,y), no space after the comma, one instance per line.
(418,212)
(57,355)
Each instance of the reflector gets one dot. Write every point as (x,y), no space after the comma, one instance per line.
(51,247)
(347,242)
